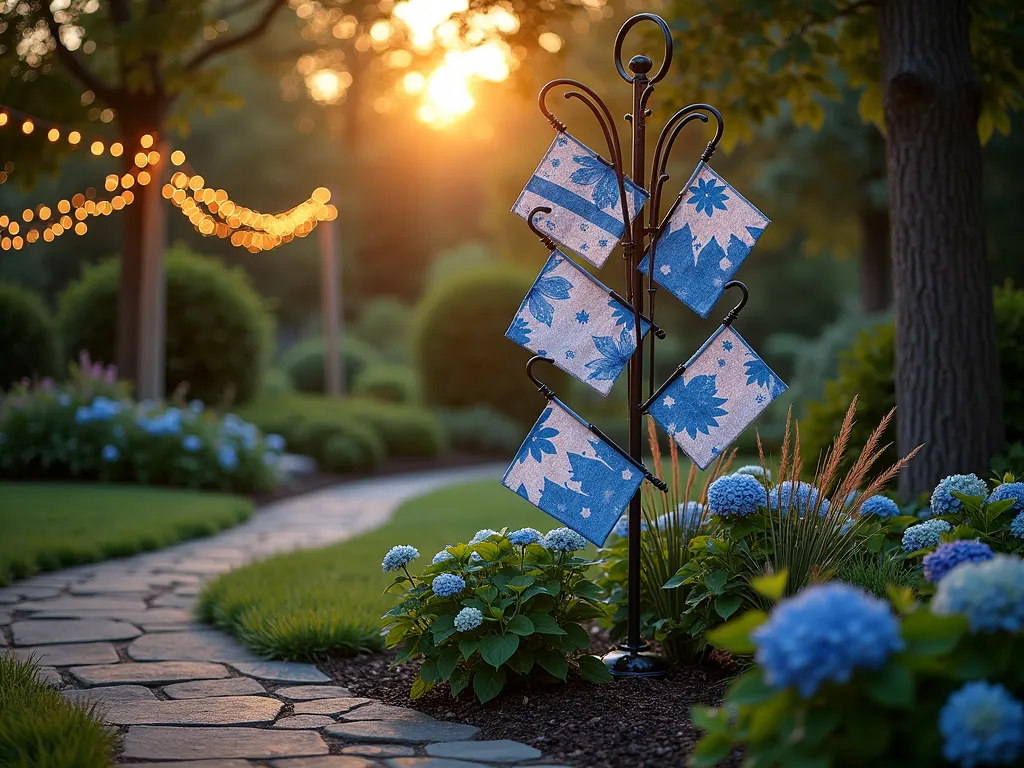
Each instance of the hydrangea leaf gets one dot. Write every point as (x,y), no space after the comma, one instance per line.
(593,669)
(553,662)
(543,624)
(420,688)
(447,662)
(577,635)
(458,681)
(710,719)
(750,688)
(710,750)
(734,636)
(927,634)
(522,661)
(428,672)
(588,590)
(468,647)
(520,625)
(727,605)
(487,594)
(772,586)
(488,682)
(444,627)
(892,686)
(497,649)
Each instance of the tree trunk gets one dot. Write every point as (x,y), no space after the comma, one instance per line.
(947,364)
(875,282)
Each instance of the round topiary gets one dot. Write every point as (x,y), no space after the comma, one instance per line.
(28,336)
(304,362)
(387,382)
(867,371)
(459,349)
(408,431)
(351,449)
(219,333)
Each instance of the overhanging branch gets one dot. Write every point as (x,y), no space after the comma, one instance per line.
(230,43)
(89,79)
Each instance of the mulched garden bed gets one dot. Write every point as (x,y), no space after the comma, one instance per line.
(625,723)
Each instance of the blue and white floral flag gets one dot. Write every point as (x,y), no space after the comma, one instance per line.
(707,236)
(571,318)
(583,193)
(723,388)
(572,474)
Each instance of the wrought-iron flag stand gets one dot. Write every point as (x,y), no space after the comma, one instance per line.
(586,204)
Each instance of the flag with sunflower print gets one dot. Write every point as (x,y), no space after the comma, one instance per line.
(574,475)
(722,388)
(704,240)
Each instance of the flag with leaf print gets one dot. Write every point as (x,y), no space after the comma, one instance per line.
(574,475)
(582,191)
(723,388)
(569,317)
(705,238)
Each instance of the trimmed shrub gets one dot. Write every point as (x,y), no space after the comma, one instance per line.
(867,371)
(304,362)
(387,382)
(356,448)
(408,431)
(460,352)
(384,323)
(219,330)
(28,336)
(482,430)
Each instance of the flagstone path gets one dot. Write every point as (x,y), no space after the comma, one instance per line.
(121,634)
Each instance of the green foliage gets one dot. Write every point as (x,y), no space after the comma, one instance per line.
(532,604)
(408,431)
(355,447)
(304,362)
(28,336)
(867,372)
(887,717)
(56,525)
(39,727)
(292,607)
(383,323)
(875,573)
(482,430)
(457,260)
(458,347)
(387,382)
(73,432)
(219,331)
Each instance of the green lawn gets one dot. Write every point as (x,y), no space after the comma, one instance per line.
(40,728)
(52,525)
(308,604)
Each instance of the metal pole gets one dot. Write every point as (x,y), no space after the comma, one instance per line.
(330,290)
(152,299)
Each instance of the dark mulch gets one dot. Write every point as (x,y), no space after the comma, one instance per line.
(642,723)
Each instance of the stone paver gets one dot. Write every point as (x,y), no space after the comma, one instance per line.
(155,673)
(49,676)
(499,751)
(222,710)
(199,645)
(282,671)
(111,693)
(201,689)
(84,605)
(330,706)
(147,742)
(402,731)
(227,763)
(330,761)
(137,617)
(430,762)
(309,692)
(69,655)
(5,618)
(378,711)
(304,722)
(71,631)
(379,750)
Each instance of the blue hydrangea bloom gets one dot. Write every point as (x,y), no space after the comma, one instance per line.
(64,400)
(475,557)
(563,540)
(803,497)
(83,414)
(982,724)
(1006,491)
(989,593)
(945,503)
(447,584)
(621,528)
(110,453)
(270,458)
(468,619)
(948,556)
(227,456)
(192,443)
(524,537)
(196,406)
(482,534)
(736,495)
(879,506)
(924,535)
(398,556)
(1017,526)
(275,443)
(687,516)
(442,557)
(823,634)
(755,470)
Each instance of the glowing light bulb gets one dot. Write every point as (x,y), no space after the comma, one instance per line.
(146,141)
(81,228)
(96,148)
(53,134)
(116,149)
(74,137)
(177,157)
(27,127)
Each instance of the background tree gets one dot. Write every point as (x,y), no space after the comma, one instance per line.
(149,63)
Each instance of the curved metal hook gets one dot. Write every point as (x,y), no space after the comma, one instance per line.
(532,224)
(543,388)
(611,135)
(667,139)
(735,311)
(621,37)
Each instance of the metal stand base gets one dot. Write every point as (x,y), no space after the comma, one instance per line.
(638,661)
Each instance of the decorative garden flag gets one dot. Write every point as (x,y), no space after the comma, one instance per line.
(571,318)
(723,388)
(583,193)
(572,474)
(707,235)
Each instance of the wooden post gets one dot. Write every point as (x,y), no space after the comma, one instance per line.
(151,299)
(330,293)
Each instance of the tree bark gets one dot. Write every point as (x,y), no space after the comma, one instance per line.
(947,361)
(875,273)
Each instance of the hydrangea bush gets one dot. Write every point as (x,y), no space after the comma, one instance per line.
(845,679)
(509,605)
(89,429)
